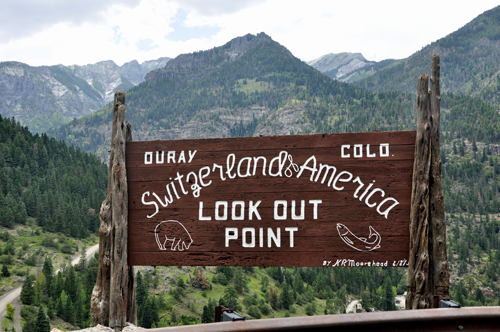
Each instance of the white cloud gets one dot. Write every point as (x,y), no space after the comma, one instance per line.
(23,18)
(123,30)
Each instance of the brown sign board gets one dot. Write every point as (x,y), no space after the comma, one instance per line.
(299,200)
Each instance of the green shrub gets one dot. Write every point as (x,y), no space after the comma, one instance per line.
(254,312)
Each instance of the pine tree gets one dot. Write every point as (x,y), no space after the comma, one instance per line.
(71,285)
(29,325)
(239,279)
(28,291)
(40,284)
(48,271)
(274,297)
(5,271)
(388,300)
(285,297)
(82,263)
(42,322)
(147,319)
(141,297)
(205,317)
(69,311)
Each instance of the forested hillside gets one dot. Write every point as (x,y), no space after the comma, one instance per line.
(43,181)
(470,62)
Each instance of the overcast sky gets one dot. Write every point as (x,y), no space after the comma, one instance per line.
(48,32)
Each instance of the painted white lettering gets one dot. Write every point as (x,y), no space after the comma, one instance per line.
(231,234)
(182,157)
(358,180)
(171,157)
(252,209)
(368,154)
(315,203)
(291,230)
(218,204)
(206,170)
(249,162)
(302,208)
(167,200)
(304,166)
(174,189)
(358,150)
(158,159)
(246,230)
(230,165)
(384,150)
(386,212)
(191,156)
(264,164)
(327,168)
(200,213)
(150,203)
(221,169)
(195,187)
(241,204)
(338,178)
(371,194)
(274,237)
(343,154)
(277,216)
(281,159)
(148,158)
(366,190)
(179,178)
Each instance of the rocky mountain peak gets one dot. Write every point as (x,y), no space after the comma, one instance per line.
(197,64)
(340,64)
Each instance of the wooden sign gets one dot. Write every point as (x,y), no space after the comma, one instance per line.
(307,200)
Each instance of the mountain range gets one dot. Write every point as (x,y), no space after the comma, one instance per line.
(252,85)
(48,96)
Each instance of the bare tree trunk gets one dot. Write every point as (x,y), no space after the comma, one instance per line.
(428,275)
(113,297)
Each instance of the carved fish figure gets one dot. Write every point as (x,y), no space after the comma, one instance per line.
(359,243)
(172,230)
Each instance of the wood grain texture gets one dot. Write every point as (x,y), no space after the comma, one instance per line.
(353,186)
(418,283)
(113,297)
(439,271)
(428,274)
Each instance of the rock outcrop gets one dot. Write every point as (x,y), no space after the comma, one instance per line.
(347,67)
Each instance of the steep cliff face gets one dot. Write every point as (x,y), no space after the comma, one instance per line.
(107,77)
(53,92)
(49,96)
(196,65)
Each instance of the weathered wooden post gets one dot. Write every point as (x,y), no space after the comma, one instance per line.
(428,274)
(113,297)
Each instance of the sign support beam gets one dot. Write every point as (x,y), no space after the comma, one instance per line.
(113,297)
(428,273)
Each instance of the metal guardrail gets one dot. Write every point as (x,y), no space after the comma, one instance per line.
(444,319)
